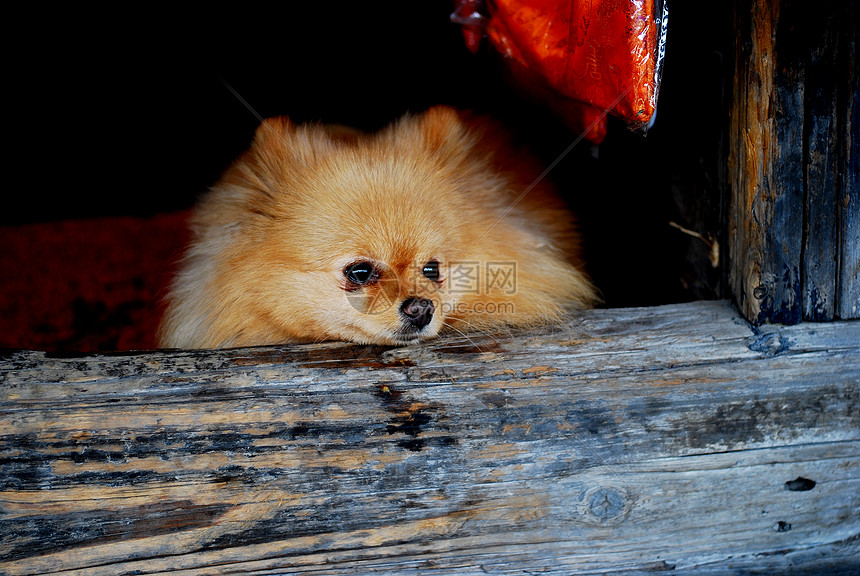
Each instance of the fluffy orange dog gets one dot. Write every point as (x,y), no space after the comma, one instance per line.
(323,234)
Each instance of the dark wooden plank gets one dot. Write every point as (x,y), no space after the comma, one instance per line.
(793,172)
(823,80)
(766,166)
(849,203)
(677,437)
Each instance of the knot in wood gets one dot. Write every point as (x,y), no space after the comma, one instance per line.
(606,503)
(769,343)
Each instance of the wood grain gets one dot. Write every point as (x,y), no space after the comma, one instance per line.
(766,170)
(671,438)
(849,176)
(793,237)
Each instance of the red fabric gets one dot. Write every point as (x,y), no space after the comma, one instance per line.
(87,285)
(583,58)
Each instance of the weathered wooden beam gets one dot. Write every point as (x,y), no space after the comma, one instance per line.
(766,171)
(848,183)
(637,439)
(794,241)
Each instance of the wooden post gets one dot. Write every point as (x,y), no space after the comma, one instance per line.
(794,132)
(848,184)
(673,438)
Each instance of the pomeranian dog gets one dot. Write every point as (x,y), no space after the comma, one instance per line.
(319,233)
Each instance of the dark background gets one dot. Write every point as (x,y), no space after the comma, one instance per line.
(138,113)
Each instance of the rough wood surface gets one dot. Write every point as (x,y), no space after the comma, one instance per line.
(849,180)
(794,129)
(653,439)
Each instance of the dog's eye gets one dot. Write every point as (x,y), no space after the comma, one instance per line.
(361,273)
(431,271)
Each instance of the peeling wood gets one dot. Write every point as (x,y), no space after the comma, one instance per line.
(672,438)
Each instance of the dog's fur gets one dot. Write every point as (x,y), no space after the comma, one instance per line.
(274,240)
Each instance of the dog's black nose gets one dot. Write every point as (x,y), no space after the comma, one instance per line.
(419,311)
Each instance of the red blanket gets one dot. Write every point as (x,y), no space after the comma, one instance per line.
(86,285)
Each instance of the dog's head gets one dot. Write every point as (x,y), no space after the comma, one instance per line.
(350,237)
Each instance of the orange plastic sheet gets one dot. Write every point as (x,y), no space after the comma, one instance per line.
(583,58)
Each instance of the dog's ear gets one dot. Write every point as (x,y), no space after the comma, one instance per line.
(442,128)
(450,134)
(276,139)
(275,127)
(278,149)
(281,147)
